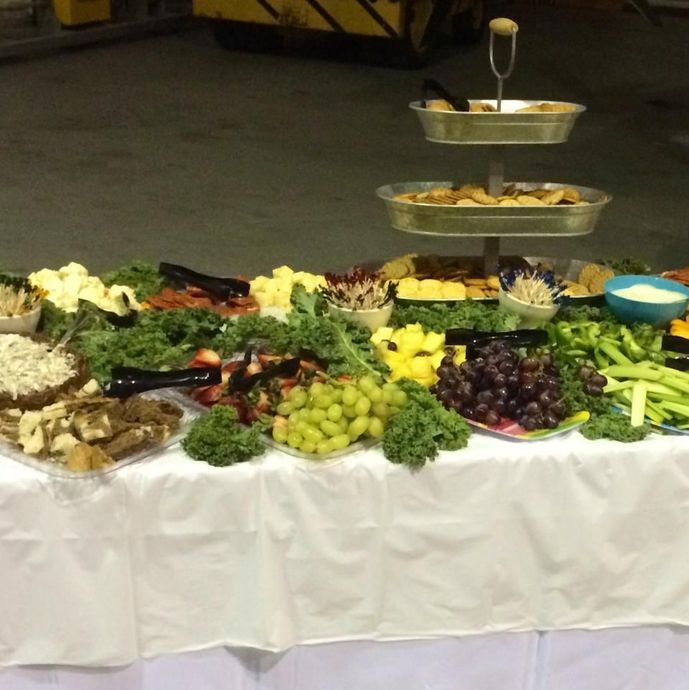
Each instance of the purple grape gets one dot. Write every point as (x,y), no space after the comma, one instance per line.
(492,418)
(500,406)
(481,410)
(506,368)
(529,364)
(513,382)
(490,372)
(550,421)
(501,393)
(559,409)
(546,360)
(530,424)
(447,361)
(468,411)
(545,398)
(511,407)
(500,380)
(527,378)
(594,391)
(528,390)
(446,397)
(598,380)
(532,409)
(585,372)
(485,397)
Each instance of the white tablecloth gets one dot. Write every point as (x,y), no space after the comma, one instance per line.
(171,555)
(616,659)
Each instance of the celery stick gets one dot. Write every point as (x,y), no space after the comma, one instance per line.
(662,397)
(676,383)
(656,413)
(635,371)
(657,388)
(682,410)
(675,373)
(638,403)
(613,351)
(614,386)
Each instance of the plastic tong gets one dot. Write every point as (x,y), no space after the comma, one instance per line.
(222,288)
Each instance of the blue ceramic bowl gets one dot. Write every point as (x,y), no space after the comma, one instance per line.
(656,313)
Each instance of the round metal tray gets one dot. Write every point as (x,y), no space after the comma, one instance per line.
(505,127)
(564,268)
(492,221)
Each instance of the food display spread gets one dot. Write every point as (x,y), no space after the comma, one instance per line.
(317,379)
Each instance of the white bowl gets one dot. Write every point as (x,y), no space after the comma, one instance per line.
(373,319)
(25,324)
(531,315)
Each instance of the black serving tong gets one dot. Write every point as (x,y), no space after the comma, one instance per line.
(126,320)
(126,381)
(243,384)
(431,86)
(519,338)
(677,345)
(222,288)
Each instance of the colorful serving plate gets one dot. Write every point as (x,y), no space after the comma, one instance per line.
(509,429)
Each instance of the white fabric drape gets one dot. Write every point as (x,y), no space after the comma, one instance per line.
(171,555)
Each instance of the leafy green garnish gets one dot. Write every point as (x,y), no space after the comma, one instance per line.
(630,265)
(141,276)
(468,314)
(416,434)
(220,440)
(616,427)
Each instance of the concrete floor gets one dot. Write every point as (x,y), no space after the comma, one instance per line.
(172,149)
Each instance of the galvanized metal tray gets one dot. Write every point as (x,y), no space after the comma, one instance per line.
(505,127)
(492,221)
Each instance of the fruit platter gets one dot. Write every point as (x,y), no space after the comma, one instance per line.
(322,366)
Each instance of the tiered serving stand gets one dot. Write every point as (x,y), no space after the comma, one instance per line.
(496,130)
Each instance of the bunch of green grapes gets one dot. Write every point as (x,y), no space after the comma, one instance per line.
(330,416)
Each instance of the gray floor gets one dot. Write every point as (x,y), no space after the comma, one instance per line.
(171,149)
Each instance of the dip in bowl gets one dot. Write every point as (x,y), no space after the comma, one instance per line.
(648,299)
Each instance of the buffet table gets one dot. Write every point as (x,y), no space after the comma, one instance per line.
(173,556)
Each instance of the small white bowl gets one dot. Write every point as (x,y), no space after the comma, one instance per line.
(373,319)
(532,316)
(25,324)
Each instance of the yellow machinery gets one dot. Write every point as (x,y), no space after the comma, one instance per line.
(413,24)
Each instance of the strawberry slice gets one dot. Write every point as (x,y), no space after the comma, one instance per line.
(208,395)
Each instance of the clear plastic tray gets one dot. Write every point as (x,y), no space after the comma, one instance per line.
(317,459)
(55,469)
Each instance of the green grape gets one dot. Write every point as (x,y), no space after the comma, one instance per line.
(340,441)
(393,410)
(375,395)
(330,428)
(317,415)
(312,434)
(337,394)
(392,387)
(381,410)
(399,398)
(285,408)
(366,384)
(280,434)
(304,414)
(349,411)
(358,427)
(323,401)
(387,395)
(335,412)
(297,396)
(343,423)
(300,427)
(317,388)
(294,417)
(307,447)
(294,439)
(362,407)
(324,447)
(375,427)
(349,395)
